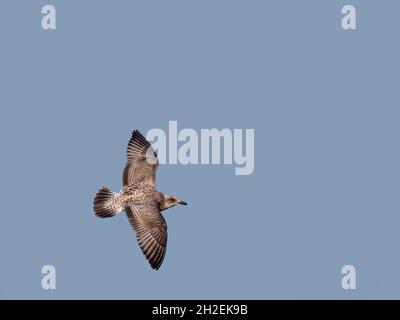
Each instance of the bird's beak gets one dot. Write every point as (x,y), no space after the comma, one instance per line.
(182,202)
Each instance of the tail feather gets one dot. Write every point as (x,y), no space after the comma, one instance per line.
(105,204)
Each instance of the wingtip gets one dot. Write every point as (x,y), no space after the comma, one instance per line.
(137,134)
(156,267)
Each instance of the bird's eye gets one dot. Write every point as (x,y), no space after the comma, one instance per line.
(155,154)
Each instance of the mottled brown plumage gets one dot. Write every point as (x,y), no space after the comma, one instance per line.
(140,200)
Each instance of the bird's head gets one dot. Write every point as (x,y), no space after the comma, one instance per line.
(169,201)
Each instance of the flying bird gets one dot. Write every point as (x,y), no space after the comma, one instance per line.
(140,200)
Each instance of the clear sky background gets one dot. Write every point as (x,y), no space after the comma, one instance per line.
(324,104)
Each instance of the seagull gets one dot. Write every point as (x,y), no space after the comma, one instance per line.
(140,200)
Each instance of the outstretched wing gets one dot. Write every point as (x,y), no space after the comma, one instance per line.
(151,232)
(142,162)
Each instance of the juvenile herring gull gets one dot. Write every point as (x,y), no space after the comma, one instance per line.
(140,200)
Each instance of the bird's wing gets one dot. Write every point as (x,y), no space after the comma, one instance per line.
(142,162)
(151,232)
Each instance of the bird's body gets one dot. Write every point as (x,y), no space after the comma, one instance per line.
(138,195)
(140,200)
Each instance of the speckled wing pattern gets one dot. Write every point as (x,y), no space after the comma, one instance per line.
(146,220)
(151,232)
(142,162)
